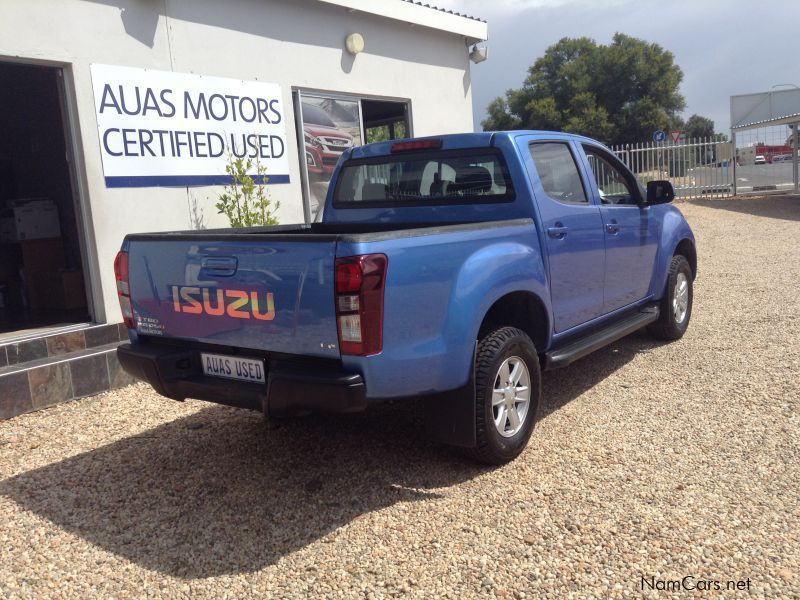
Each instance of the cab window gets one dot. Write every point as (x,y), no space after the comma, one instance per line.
(417,179)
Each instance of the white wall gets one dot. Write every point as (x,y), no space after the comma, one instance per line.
(295,44)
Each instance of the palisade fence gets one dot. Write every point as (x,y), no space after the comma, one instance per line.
(762,162)
(701,167)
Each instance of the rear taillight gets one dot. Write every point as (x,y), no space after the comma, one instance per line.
(360,281)
(124,289)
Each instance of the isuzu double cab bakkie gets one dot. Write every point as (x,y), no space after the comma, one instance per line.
(452,269)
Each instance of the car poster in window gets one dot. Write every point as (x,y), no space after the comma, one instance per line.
(330,126)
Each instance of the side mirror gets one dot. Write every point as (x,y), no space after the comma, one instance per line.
(660,192)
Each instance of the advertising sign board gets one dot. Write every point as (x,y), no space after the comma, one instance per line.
(159,128)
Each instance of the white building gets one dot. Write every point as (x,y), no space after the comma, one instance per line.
(72,129)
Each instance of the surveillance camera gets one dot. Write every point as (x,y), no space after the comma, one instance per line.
(478,55)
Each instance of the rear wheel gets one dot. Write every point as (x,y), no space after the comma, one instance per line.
(507,392)
(676,305)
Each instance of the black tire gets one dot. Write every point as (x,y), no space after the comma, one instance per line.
(507,342)
(668,327)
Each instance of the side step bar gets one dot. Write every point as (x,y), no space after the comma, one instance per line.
(572,351)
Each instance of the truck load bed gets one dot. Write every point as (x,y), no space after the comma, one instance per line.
(268,289)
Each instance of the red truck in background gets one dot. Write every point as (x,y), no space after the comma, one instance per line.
(774,153)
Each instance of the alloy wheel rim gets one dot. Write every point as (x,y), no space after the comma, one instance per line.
(680,298)
(511,396)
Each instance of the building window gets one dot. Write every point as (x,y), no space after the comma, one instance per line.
(333,123)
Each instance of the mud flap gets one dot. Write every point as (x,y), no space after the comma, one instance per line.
(449,417)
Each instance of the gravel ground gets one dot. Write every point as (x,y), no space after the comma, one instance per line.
(650,460)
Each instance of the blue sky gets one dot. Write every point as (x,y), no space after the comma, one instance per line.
(724,47)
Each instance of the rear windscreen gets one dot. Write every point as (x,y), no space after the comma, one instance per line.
(432,178)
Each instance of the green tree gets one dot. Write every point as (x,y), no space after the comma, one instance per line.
(618,93)
(675,122)
(702,127)
(500,116)
(699,127)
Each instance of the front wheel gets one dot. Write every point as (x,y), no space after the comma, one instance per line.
(676,305)
(507,392)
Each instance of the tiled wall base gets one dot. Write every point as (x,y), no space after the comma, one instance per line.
(40,372)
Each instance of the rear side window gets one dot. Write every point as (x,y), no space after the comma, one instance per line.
(455,177)
(558,172)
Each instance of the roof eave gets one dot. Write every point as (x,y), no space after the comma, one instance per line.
(424,16)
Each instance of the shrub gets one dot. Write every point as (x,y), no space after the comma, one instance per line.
(246,201)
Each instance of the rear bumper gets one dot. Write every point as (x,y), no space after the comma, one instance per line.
(291,387)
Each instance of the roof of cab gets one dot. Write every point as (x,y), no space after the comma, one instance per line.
(457,141)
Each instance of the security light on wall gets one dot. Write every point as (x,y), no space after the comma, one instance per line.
(354,43)
(478,55)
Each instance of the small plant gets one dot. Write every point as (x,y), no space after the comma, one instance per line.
(245,201)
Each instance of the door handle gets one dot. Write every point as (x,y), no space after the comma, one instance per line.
(612,227)
(220,266)
(557,232)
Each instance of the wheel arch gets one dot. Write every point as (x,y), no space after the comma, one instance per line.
(686,248)
(676,238)
(523,310)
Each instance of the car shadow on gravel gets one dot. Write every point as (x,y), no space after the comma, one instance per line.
(561,386)
(782,207)
(219,493)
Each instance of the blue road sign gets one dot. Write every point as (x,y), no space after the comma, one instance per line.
(659,136)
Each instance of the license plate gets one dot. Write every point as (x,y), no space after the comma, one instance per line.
(233,367)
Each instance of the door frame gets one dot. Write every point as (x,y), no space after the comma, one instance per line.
(77,179)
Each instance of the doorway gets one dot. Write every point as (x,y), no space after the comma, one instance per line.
(41,264)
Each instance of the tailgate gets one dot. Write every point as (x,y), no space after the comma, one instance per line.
(252,293)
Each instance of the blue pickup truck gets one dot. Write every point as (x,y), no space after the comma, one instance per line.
(453,269)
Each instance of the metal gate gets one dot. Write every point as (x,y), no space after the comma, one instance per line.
(701,167)
(764,158)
